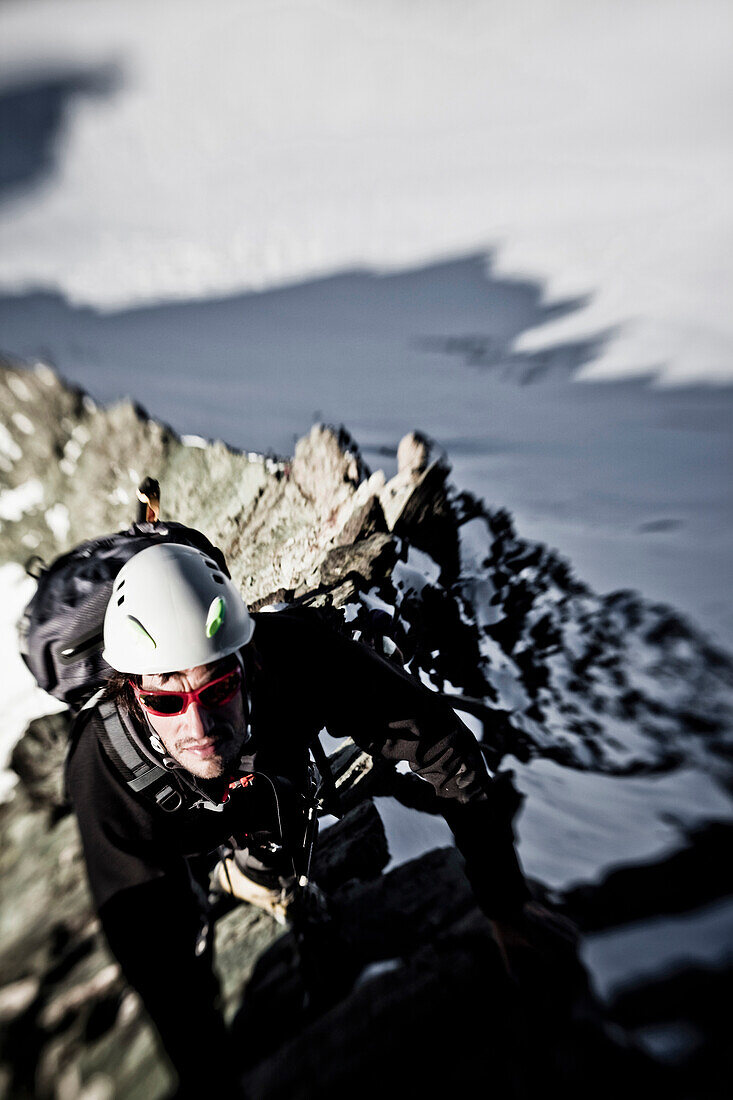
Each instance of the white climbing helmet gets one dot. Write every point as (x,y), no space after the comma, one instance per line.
(172,608)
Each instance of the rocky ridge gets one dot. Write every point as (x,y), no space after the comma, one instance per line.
(547,670)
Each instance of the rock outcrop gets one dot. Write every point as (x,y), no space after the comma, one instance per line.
(608,686)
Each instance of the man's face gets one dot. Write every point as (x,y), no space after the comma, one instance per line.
(205,741)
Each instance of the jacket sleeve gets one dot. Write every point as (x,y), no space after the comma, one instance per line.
(390,713)
(151,917)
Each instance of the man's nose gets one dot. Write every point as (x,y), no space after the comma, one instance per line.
(198,720)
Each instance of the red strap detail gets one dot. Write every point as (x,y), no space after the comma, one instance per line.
(241,781)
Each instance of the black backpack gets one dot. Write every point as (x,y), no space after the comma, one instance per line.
(61,630)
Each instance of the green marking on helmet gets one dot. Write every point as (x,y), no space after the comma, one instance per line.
(141,634)
(215,617)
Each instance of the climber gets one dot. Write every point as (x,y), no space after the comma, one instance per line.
(198,744)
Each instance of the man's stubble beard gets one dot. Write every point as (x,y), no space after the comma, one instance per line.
(229,744)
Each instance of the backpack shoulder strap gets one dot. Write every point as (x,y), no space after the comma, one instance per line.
(139,773)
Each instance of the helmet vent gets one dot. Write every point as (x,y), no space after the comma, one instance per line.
(218,578)
(120,584)
(140,633)
(121,600)
(215,617)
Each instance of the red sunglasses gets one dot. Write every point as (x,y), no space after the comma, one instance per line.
(217,693)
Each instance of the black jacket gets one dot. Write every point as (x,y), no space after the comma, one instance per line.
(301,676)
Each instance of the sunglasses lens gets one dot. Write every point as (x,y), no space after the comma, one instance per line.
(163,704)
(221,692)
(213,695)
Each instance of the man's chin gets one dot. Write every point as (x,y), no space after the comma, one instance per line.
(212,768)
(208,763)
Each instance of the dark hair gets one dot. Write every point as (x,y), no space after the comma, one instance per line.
(119,691)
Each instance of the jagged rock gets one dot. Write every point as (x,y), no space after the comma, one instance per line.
(368,561)
(356,775)
(407,906)
(413,454)
(424,1006)
(355,847)
(327,468)
(366,520)
(415,502)
(38,758)
(684,1008)
(414,457)
(426,518)
(696,875)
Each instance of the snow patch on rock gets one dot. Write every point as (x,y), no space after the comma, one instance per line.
(14,503)
(23,700)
